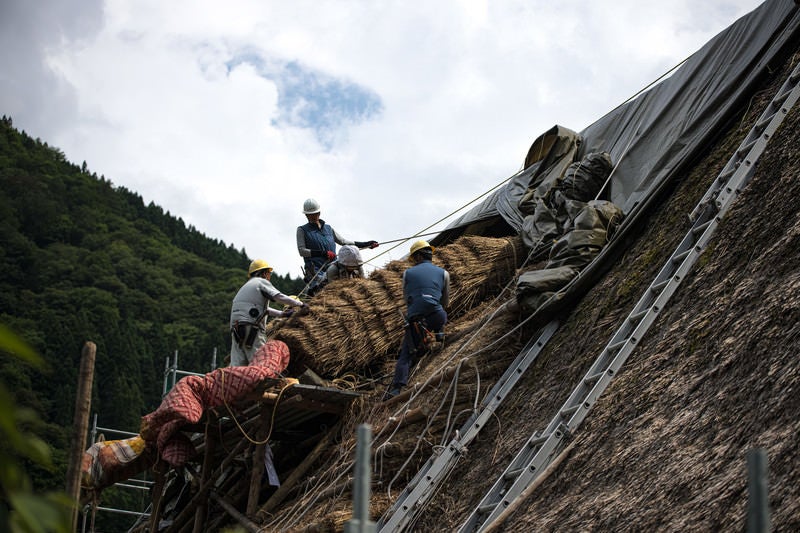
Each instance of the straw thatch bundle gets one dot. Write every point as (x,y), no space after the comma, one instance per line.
(354,324)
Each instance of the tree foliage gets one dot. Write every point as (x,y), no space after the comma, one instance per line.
(81,259)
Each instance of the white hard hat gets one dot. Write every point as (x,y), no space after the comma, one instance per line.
(310,207)
(349,256)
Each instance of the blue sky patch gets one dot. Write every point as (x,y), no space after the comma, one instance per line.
(314,100)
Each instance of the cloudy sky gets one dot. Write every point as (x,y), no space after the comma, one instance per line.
(393,114)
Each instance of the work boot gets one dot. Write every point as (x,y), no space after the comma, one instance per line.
(393,391)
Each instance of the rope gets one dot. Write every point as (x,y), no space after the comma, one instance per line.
(272,417)
(420,232)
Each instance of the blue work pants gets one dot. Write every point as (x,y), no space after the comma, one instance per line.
(413,345)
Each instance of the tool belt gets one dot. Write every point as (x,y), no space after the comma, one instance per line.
(422,336)
(245,334)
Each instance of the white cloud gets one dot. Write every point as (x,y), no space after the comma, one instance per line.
(155,96)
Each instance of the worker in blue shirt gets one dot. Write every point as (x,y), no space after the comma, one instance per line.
(426,291)
(316,244)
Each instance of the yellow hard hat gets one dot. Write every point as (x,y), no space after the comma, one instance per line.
(256,265)
(419,245)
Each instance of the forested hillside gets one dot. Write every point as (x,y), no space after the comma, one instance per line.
(81,259)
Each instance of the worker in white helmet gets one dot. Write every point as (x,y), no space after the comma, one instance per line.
(250,310)
(316,244)
(348,264)
(426,291)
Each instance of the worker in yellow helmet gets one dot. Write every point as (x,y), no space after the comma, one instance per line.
(426,291)
(250,310)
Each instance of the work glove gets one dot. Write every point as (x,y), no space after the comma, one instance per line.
(330,255)
(287,313)
(372,244)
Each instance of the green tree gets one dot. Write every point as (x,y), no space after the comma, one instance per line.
(21,509)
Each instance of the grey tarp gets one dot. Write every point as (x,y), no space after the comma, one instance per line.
(658,133)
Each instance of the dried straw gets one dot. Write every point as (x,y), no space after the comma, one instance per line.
(357,324)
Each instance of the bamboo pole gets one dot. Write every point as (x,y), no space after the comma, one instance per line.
(83,403)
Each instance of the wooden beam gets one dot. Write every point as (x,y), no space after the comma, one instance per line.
(291,482)
(258,464)
(208,457)
(245,522)
(83,403)
(202,493)
(159,471)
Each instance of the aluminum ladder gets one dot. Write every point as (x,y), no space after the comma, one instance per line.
(423,486)
(540,449)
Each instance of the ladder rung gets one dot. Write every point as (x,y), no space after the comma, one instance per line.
(594,378)
(723,176)
(658,287)
(746,148)
(538,440)
(512,474)
(617,345)
(699,230)
(636,317)
(777,102)
(569,411)
(763,123)
(488,508)
(681,256)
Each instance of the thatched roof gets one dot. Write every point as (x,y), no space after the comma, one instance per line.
(665,447)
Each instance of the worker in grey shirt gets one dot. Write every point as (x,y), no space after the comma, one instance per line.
(316,244)
(250,310)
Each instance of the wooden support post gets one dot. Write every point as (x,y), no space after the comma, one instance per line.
(291,482)
(258,464)
(758,520)
(159,470)
(202,494)
(205,473)
(83,403)
(245,522)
